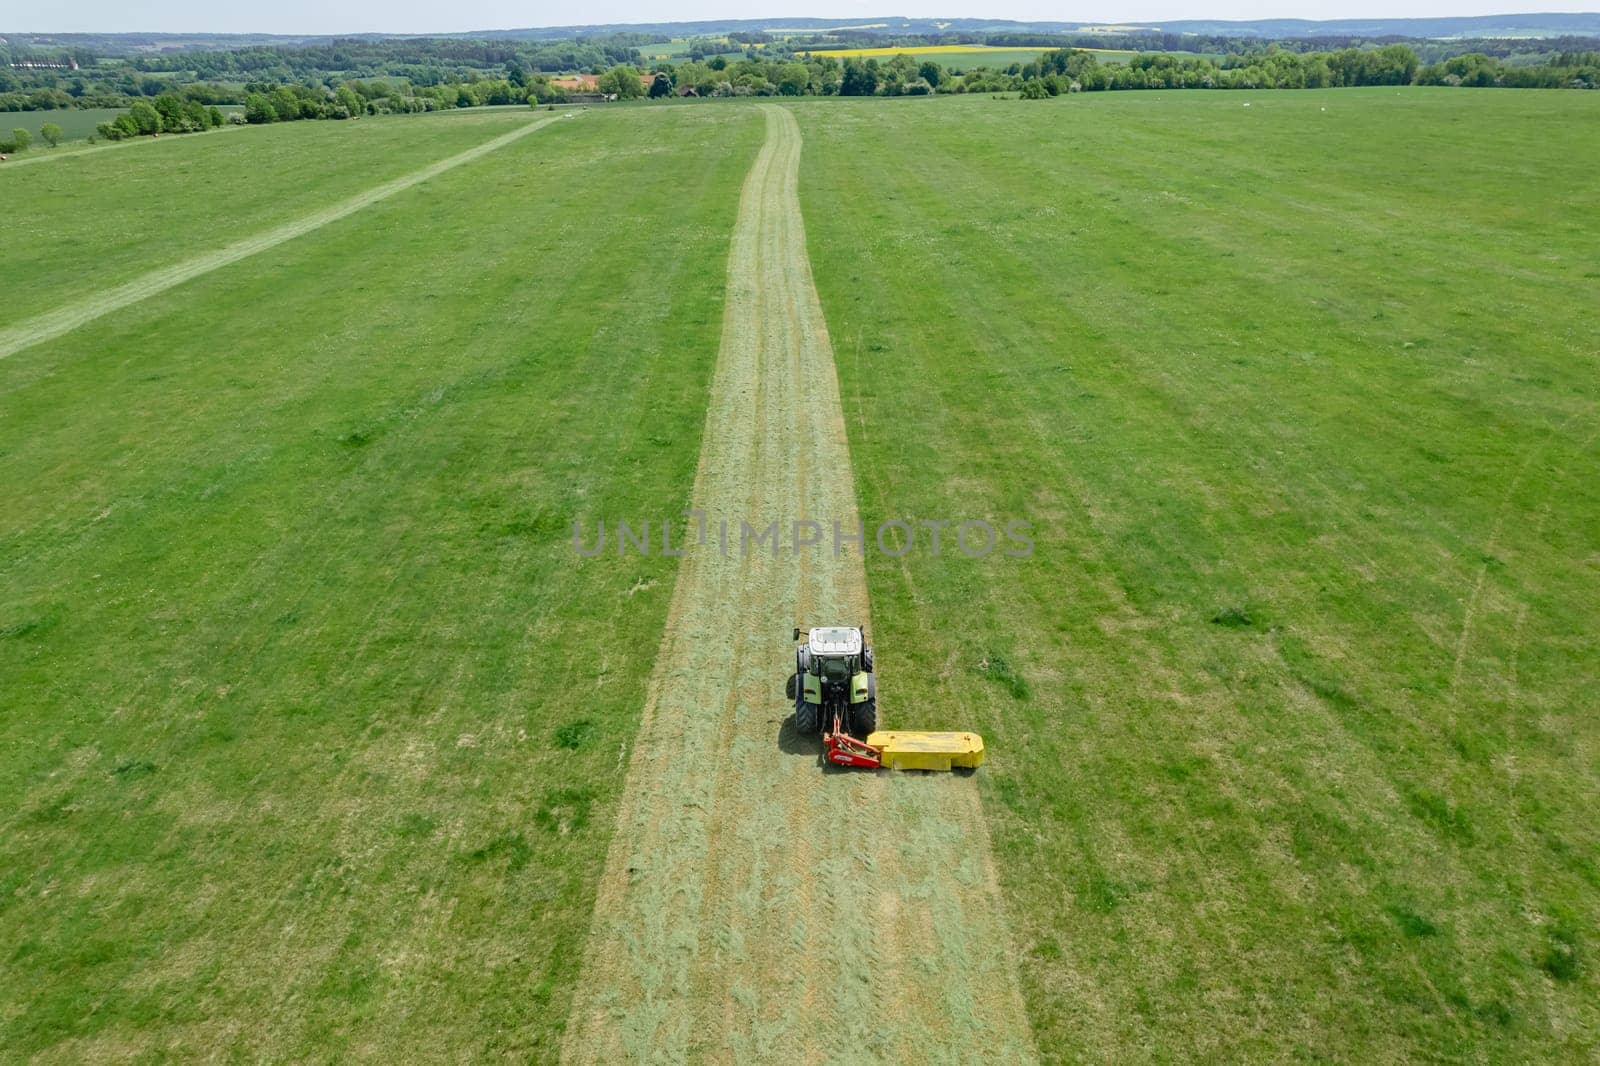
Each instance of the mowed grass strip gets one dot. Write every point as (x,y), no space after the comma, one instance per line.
(65,319)
(90,221)
(1291,752)
(312,723)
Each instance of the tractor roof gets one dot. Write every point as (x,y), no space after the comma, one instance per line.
(835,640)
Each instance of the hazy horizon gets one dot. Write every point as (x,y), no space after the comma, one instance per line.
(414,17)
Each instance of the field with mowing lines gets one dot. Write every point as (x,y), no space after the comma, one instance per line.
(68,317)
(318,741)
(1293,753)
(90,221)
(808,896)
(313,730)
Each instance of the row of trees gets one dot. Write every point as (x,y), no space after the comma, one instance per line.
(290,103)
(37,81)
(1069,70)
(424,61)
(1072,70)
(419,61)
(295,85)
(1570,70)
(20,139)
(287,103)
(170,113)
(1076,70)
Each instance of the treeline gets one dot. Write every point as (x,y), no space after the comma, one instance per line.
(428,61)
(165,114)
(1075,70)
(288,103)
(1204,44)
(1068,70)
(1569,70)
(1129,41)
(1071,70)
(41,81)
(1527,51)
(284,84)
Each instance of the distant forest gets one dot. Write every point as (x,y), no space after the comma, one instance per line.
(1545,26)
(345,78)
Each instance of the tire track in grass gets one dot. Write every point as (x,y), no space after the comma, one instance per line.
(63,320)
(56,153)
(755,905)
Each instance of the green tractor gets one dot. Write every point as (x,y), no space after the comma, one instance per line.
(833,687)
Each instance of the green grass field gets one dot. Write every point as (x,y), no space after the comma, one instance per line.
(107,215)
(312,729)
(678,48)
(1292,752)
(308,713)
(76,123)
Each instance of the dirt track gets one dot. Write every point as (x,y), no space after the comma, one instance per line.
(755,905)
(63,320)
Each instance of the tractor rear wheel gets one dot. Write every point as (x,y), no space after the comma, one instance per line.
(807,717)
(864,719)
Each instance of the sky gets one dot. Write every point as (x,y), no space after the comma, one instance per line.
(428,16)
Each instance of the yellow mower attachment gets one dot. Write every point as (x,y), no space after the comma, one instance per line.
(905,750)
(836,693)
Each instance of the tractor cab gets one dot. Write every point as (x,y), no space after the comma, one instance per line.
(833,679)
(835,693)
(834,640)
(836,653)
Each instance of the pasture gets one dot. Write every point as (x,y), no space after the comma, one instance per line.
(678,48)
(100,218)
(1292,752)
(299,715)
(76,123)
(314,732)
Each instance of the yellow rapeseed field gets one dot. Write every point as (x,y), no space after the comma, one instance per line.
(949,49)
